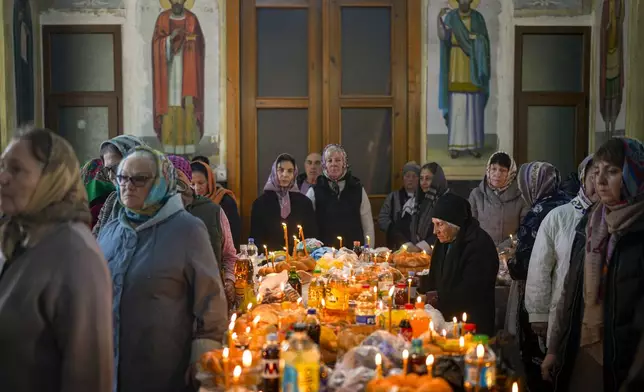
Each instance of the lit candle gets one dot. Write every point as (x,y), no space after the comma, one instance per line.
(340,239)
(256,321)
(444,333)
(285,228)
(404,248)
(234,336)
(259,297)
(429,362)
(333,249)
(405,356)
(248,331)
(388,254)
(455,331)
(424,254)
(409,291)
(250,309)
(461,343)
(391,305)
(431,331)
(295,242)
(231,327)
(378,361)
(273,260)
(301,232)
(266,253)
(224,356)
(375,295)
(368,241)
(462,326)
(299,301)
(247,359)
(288,257)
(323,303)
(236,374)
(480,353)
(515,387)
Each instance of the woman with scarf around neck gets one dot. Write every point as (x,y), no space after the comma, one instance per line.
(391,211)
(216,223)
(342,207)
(204,182)
(280,203)
(600,315)
(169,302)
(98,186)
(464,264)
(112,153)
(417,212)
(55,308)
(497,202)
(539,183)
(551,253)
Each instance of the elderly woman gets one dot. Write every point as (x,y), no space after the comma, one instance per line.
(280,203)
(464,264)
(169,302)
(112,152)
(539,183)
(55,308)
(392,209)
(215,220)
(497,202)
(205,184)
(599,317)
(342,207)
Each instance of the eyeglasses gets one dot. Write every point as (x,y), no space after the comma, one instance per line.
(137,181)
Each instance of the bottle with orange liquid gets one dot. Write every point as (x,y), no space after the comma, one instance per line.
(419,320)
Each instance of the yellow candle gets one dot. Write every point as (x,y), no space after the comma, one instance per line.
(405,356)
(368,241)
(391,305)
(340,239)
(333,249)
(515,387)
(250,309)
(247,359)
(231,327)
(455,332)
(301,232)
(285,236)
(288,257)
(461,343)
(431,331)
(480,353)
(236,374)
(295,242)
(444,333)
(256,321)
(429,362)
(375,295)
(378,361)
(388,254)
(266,253)
(224,356)
(409,291)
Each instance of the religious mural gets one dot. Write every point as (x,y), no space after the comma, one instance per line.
(611,70)
(461,130)
(23,50)
(178,67)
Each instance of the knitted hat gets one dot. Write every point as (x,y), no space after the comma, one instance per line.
(411,166)
(453,209)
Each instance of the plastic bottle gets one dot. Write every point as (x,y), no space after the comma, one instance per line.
(336,295)
(365,255)
(417,358)
(357,249)
(316,290)
(366,307)
(243,278)
(385,281)
(313,328)
(252,248)
(270,364)
(419,320)
(480,366)
(414,284)
(294,280)
(300,362)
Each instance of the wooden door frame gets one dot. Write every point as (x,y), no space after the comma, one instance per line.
(524,99)
(233,85)
(79,96)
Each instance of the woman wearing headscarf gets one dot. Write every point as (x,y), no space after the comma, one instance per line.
(55,308)
(497,202)
(464,264)
(169,303)
(539,183)
(342,207)
(599,317)
(392,208)
(215,220)
(98,186)
(205,184)
(280,203)
(551,254)
(112,153)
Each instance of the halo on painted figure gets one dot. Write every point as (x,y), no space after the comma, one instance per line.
(454,4)
(165,4)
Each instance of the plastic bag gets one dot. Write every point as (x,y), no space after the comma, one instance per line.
(389,345)
(350,380)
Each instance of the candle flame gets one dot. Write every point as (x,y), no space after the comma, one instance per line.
(431,325)
(249,307)
(378,359)
(234,336)
(375,290)
(444,333)
(259,298)
(284,225)
(256,320)
(323,302)
(405,354)
(432,246)
(464,317)
(299,227)
(247,330)
(225,353)
(247,358)
(282,286)
(233,318)
(237,372)
(295,238)
(430,360)
(461,342)
(338,237)
(404,248)
(391,291)
(419,300)
(480,351)
(454,320)
(299,301)
(515,387)
(231,326)
(381,306)
(424,253)
(409,280)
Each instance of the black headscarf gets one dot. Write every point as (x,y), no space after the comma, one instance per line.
(421,222)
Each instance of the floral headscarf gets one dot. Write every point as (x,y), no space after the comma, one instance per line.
(538,180)
(59,197)
(273,184)
(96,182)
(124,143)
(581,202)
(163,188)
(512,171)
(183,169)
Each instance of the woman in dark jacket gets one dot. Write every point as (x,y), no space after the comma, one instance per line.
(280,203)
(600,315)
(464,264)
(539,183)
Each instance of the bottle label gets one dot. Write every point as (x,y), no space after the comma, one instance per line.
(335,299)
(366,320)
(484,377)
(270,369)
(303,377)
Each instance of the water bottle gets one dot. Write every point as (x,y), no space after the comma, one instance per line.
(300,362)
(270,364)
(251,248)
(366,307)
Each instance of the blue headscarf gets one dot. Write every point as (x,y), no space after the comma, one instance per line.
(163,188)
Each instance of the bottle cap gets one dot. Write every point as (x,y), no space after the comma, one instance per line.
(401,285)
(271,337)
(480,339)
(356,243)
(317,270)
(417,343)
(409,306)
(251,240)
(469,327)
(366,286)
(299,327)
(411,273)
(311,311)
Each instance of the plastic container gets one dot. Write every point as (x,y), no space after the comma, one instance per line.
(336,294)
(270,364)
(313,328)
(300,362)
(419,320)
(244,272)
(480,366)
(252,248)
(366,307)
(316,290)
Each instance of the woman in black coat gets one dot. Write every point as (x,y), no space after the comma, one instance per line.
(464,264)
(280,203)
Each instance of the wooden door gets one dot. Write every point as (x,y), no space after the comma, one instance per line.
(314,72)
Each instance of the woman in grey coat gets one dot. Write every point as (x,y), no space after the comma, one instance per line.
(169,303)
(496,202)
(55,304)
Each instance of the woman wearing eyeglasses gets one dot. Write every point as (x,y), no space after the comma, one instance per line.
(112,153)
(169,305)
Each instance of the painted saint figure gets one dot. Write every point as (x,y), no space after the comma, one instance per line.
(23,45)
(178,52)
(611,79)
(464,76)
